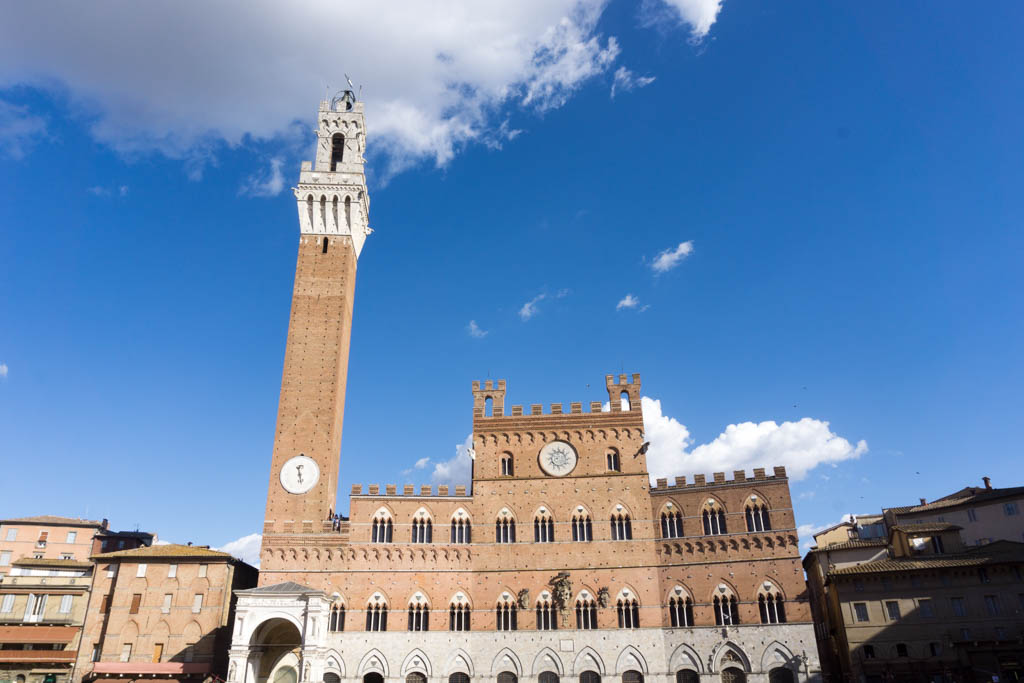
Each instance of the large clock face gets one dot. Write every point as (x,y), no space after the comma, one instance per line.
(299,474)
(558,458)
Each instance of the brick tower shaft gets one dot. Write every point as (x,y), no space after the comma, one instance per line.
(333,206)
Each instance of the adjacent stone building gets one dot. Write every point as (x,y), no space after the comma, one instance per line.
(161,612)
(45,580)
(560,561)
(917,603)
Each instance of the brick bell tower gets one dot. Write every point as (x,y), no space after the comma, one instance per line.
(333,209)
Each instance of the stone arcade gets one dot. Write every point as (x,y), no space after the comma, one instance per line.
(561,563)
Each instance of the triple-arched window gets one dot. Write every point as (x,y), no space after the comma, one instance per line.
(586,612)
(461,528)
(419,613)
(543,527)
(458,614)
(505,529)
(713,517)
(671,522)
(727,611)
(680,610)
(622,527)
(506,614)
(756,513)
(422,531)
(582,529)
(629,612)
(770,604)
(546,613)
(377,614)
(382,530)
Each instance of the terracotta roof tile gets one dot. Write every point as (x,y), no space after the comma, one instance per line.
(51,562)
(990,553)
(168,550)
(54,520)
(853,543)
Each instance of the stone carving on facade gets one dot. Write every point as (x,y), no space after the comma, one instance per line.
(603,598)
(561,590)
(523,598)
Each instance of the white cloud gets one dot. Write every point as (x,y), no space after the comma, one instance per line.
(267,184)
(475,331)
(3,370)
(529,309)
(184,78)
(699,14)
(672,257)
(19,129)
(798,446)
(625,81)
(246,548)
(628,301)
(122,190)
(458,469)
(98,191)
(422,463)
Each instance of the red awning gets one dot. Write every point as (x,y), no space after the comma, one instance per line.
(37,634)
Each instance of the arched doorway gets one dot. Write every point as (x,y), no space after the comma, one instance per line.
(632,676)
(415,677)
(332,678)
(781,675)
(279,643)
(590,677)
(548,677)
(507,677)
(373,677)
(687,676)
(458,677)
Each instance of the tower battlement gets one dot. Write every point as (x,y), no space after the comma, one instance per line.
(494,391)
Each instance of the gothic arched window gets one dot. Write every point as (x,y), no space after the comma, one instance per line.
(505,529)
(506,614)
(507,468)
(422,531)
(543,528)
(458,614)
(713,517)
(582,529)
(546,613)
(613,461)
(671,523)
(727,611)
(628,610)
(622,527)
(680,609)
(419,614)
(586,612)
(770,604)
(460,528)
(336,622)
(756,513)
(381,529)
(377,614)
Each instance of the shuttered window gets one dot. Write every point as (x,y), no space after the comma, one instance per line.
(136,603)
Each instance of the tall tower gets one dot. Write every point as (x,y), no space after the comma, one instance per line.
(333,209)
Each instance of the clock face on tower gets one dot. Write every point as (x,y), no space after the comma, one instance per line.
(299,474)
(558,458)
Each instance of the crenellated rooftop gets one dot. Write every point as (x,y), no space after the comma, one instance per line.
(619,388)
(717,479)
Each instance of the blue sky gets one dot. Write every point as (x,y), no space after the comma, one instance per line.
(846,177)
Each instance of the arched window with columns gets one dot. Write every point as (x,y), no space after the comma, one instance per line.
(671,521)
(422,527)
(727,611)
(713,516)
(543,527)
(419,613)
(627,609)
(582,528)
(621,524)
(680,608)
(613,461)
(547,613)
(382,528)
(505,527)
(506,613)
(461,528)
(459,612)
(756,513)
(377,613)
(771,604)
(586,611)
(336,620)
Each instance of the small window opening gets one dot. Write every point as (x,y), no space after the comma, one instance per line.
(337,150)
(488,407)
(624,400)
(325,246)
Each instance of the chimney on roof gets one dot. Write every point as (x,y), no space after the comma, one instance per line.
(924,501)
(988,482)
